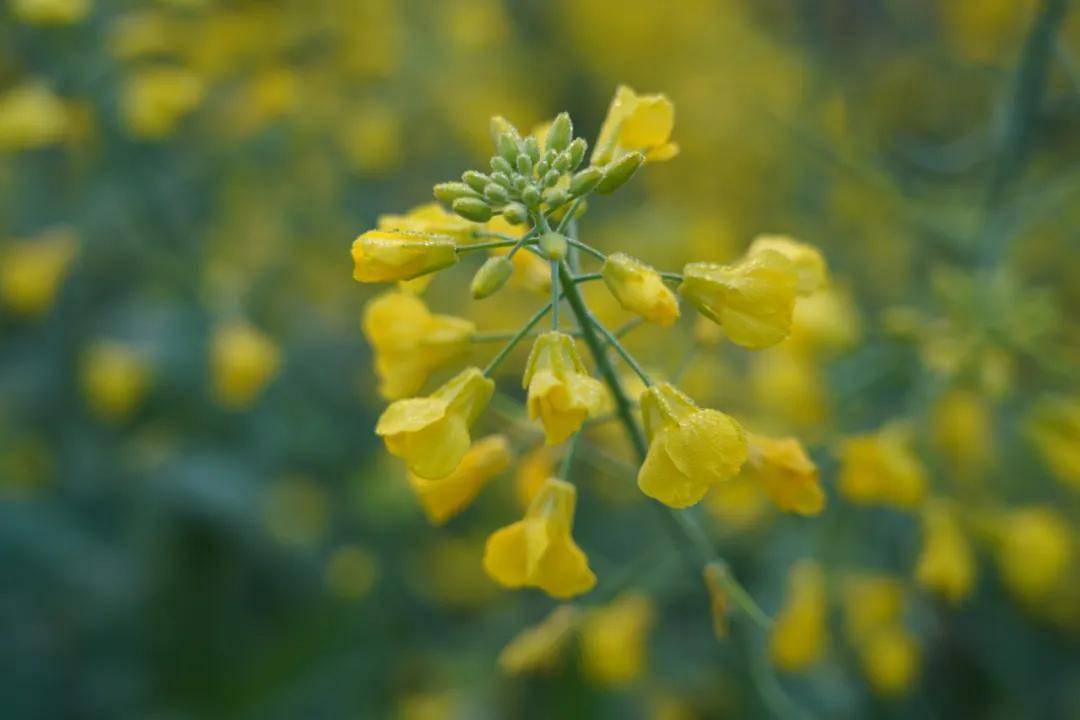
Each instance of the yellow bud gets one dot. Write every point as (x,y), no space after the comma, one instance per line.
(156,99)
(430,219)
(553,245)
(31,116)
(539,551)
(618,172)
(880,468)
(1035,552)
(560,133)
(472,208)
(890,659)
(1054,428)
(50,12)
(640,289)
(491,276)
(386,256)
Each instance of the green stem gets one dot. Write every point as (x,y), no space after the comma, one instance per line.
(569,216)
(568,458)
(587,277)
(554,295)
(517,337)
(674,277)
(588,249)
(487,245)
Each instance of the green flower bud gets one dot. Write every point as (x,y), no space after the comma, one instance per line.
(562,161)
(560,133)
(496,193)
(619,171)
(553,245)
(551,177)
(584,181)
(500,126)
(577,152)
(476,180)
(515,213)
(472,208)
(531,196)
(520,182)
(531,148)
(448,192)
(554,197)
(502,179)
(491,276)
(501,164)
(507,147)
(542,168)
(524,164)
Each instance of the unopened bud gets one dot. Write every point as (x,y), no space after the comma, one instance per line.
(584,181)
(551,177)
(491,276)
(472,208)
(502,179)
(501,164)
(476,180)
(560,133)
(619,171)
(577,152)
(501,126)
(554,197)
(531,196)
(496,193)
(448,192)
(524,164)
(507,147)
(542,168)
(531,148)
(515,213)
(553,245)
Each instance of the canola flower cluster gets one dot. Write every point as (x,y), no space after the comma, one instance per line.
(529,205)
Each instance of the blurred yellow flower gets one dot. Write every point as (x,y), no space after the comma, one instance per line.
(1054,428)
(447,496)
(640,289)
(789,477)
(49,12)
(539,551)
(961,425)
(532,471)
(826,320)
(351,572)
(880,468)
(296,511)
(386,256)
(31,270)
(31,116)
(410,343)
(890,659)
(798,636)
(156,99)
(1035,552)
(641,123)
(690,449)
(431,434)
(806,260)
(114,378)
(561,392)
(243,360)
(740,504)
(871,603)
(538,647)
(789,387)
(946,564)
(752,300)
(614,638)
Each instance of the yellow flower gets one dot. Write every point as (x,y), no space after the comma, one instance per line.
(798,636)
(410,343)
(31,116)
(351,572)
(445,497)
(539,646)
(890,659)
(386,256)
(871,603)
(753,299)
(561,392)
(690,449)
(31,271)
(114,379)
(962,431)
(806,260)
(640,289)
(431,219)
(1054,429)
(532,471)
(740,504)
(432,433)
(296,512)
(825,320)
(242,361)
(946,565)
(790,478)
(154,100)
(1035,552)
(641,123)
(789,386)
(50,12)
(539,551)
(613,640)
(880,468)
(372,137)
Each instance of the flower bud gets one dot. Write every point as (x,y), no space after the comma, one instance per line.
(501,126)
(476,180)
(585,181)
(519,182)
(640,289)
(491,276)
(507,147)
(554,197)
(551,177)
(531,148)
(472,208)
(619,171)
(560,133)
(524,164)
(530,196)
(542,168)
(502,179)
(553,245)
(496,194)
(500,164)
(448,192)
(577,152)
(515,213)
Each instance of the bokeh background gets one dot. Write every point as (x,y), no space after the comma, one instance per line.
(196,519)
